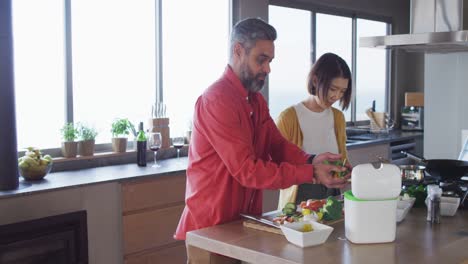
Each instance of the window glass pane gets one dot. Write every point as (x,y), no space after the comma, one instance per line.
(113,62)
(372,66)
(195,54)
(289,69)
(39,73)
(334,34)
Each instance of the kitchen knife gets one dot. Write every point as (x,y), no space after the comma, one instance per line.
(260,219)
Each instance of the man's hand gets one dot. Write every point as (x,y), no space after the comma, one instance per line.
(323,173)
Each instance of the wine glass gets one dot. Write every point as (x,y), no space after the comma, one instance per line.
(154,142)
(178,143)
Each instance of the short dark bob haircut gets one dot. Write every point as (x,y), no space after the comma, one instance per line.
(328,67)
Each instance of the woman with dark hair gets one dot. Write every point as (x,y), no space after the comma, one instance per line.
(315,126)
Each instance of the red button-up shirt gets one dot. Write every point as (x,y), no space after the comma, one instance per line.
(235,152)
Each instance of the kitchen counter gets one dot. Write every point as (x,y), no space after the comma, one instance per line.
(417,241)
(356,139)
(76,178)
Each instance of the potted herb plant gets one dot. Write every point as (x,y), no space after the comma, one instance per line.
(120,130)
(69,145)
(87,136)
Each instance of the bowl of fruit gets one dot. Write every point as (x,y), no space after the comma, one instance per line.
(34,165)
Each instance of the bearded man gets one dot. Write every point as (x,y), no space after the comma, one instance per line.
(236,150)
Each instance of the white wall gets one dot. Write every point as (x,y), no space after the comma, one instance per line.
(102,203)
(445,102)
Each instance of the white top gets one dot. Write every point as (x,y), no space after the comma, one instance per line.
(318,130)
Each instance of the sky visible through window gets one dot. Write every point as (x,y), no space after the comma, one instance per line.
(38,34)
(113,63)
(195,54)
(371,70)
(289,69)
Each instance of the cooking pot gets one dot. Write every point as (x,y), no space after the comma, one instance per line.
(443,169)
(412,173)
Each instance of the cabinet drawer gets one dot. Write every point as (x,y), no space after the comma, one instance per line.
(150,229)
(153,193)
(173,255)
(368,154)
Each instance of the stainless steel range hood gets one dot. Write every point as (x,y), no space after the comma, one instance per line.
(437,26)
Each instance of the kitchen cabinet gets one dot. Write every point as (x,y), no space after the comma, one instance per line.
(151,209)
(369,153)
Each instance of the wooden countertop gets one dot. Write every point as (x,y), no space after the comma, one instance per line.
(417,241)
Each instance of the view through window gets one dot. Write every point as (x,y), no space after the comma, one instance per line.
(38,33)
(195,54)
(340,44)
(372,69)
(114,62)
(289,69)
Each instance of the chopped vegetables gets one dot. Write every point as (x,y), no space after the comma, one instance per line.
(311,210)
(313,205)
(289,209)
(333,209)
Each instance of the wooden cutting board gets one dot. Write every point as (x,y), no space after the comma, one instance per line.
(262,227)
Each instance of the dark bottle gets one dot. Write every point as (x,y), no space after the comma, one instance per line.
(141,146)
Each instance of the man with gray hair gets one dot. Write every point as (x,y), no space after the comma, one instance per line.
(236,150)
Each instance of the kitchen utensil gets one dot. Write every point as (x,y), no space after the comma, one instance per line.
(261,220)
(443,169)
(370,114)
(412,173)
(434,193)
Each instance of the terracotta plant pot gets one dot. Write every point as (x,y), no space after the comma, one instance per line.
(119,145)
(69,149)
(86,147)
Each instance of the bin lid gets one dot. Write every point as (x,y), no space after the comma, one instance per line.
(372,181)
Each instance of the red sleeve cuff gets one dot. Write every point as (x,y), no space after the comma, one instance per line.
(305,174)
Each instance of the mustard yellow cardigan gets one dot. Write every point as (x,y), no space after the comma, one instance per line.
(288,125)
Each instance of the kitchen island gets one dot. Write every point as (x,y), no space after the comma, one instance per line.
(417,241)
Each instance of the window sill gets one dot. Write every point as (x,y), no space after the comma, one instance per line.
(101,159)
